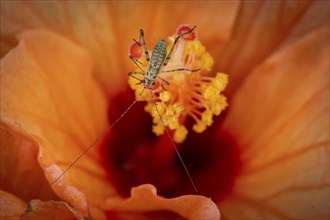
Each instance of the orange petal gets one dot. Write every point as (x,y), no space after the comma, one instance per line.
(22,168)
(11,206)
(280,117)
(106,29)
(19,165)
(144,198)
(50,210)
(261,28)
(48,89)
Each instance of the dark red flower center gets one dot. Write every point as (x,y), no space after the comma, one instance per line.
(133,155)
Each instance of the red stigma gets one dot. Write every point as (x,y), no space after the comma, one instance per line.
(136,49)
(184,28)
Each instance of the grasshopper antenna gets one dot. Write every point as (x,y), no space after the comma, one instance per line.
(99,138)
(173,144)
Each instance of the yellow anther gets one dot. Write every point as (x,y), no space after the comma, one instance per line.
(219,105)
(211,93)
(216,108)
(180,134)
(172,123)
(165,96)
(220,81)
(199,127)
(158,129)
(207,117)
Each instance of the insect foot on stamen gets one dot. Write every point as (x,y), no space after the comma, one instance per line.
(193,92)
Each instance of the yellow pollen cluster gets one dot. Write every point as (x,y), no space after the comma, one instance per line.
(164,96)
(170,115)
(215,101)
(195,94)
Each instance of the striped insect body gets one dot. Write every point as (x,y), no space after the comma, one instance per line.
(157,60)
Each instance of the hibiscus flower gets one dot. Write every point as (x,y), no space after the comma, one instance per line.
(64,79)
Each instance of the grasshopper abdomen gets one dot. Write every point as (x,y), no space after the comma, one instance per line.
(156,62)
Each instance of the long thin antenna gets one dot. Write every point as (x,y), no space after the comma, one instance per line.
(99,137)
(173,144)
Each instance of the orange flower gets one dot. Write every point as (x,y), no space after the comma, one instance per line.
(267,157)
